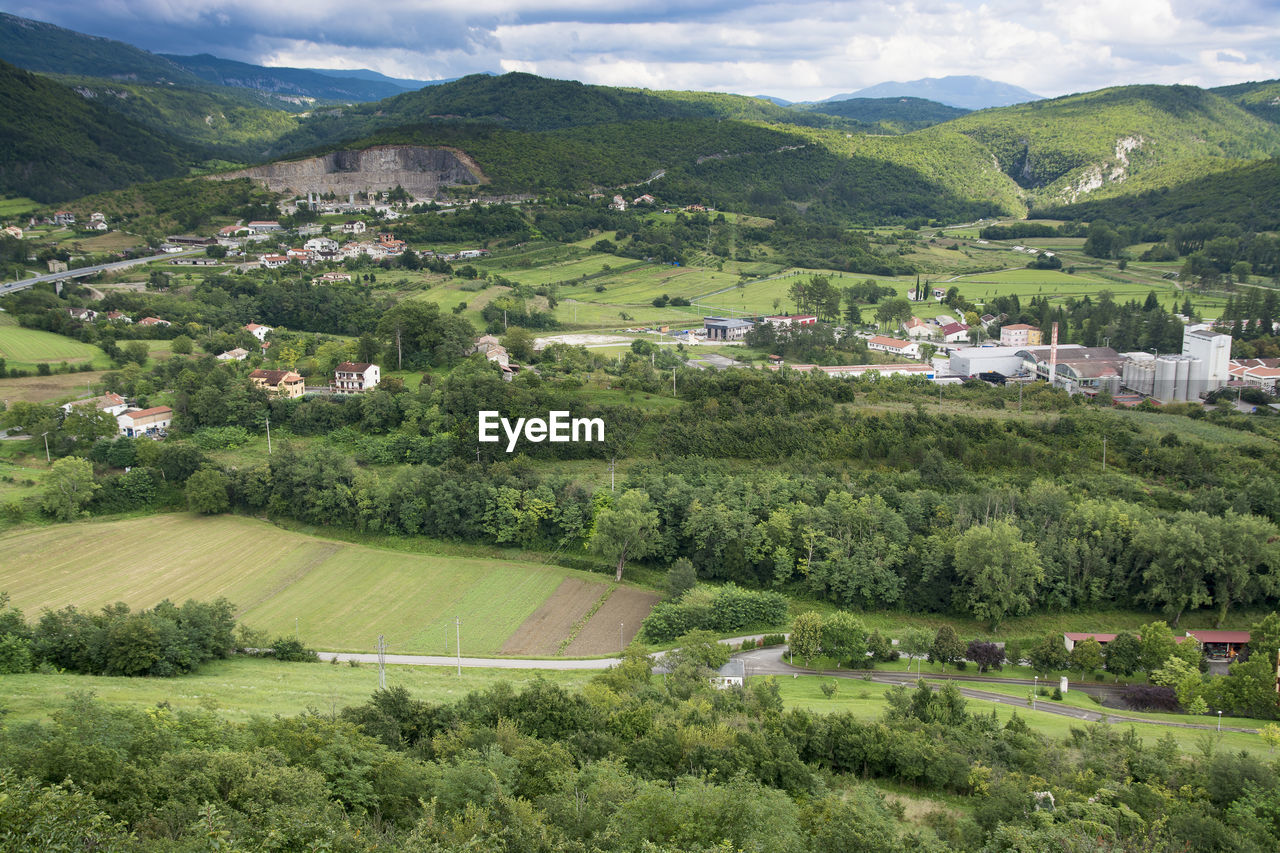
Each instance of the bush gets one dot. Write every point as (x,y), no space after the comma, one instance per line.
(717,609)
(1149,697)
(291,649)
(1057,694)
(747,645)
(772,640)
(15,655)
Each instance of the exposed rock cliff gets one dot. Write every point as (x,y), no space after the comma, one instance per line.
(421,171)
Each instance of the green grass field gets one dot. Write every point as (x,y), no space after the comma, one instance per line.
(342,595)
(865,700)
(16,206)
(25,348)
(243,687)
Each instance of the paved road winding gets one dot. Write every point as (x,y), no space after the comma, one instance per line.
(93,270)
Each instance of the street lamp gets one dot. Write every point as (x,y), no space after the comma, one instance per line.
(45,435)
(1035,687)
(1219,721)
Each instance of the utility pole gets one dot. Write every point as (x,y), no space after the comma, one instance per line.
(268,434)
(611,480)
(46,447)
(1020,398)
(457,624)
(621,644)
(382,662)
(399,353)
(1104,454)
(673,382)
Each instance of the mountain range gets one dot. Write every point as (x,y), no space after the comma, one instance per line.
(963,91)
(103,114)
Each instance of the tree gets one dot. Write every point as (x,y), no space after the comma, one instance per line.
(1123,654)
(181,345)
(1179,556)
(1264,637)
(1086,657)
(1181,677)
(627,530)
(999,571)
(1049,655)
(68,488)
(1270,734)
(681,577)
(915,642)
(806,635)
(207,491)
(844,638)
(985,655)
(519,343)
(1157,645)
(947,647)
(136,352)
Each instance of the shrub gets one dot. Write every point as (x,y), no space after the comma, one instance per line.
(716,609)
(772,640)
(292,649)
(1149,697)
(15,655)
(747,644)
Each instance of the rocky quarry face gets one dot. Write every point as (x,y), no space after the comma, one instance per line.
(420,171)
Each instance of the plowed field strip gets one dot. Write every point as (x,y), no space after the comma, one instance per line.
(622,613)
(546,627)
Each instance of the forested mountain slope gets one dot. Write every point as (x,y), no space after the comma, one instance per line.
(897,114)
(1261,99)
(59,145)
(1066,148)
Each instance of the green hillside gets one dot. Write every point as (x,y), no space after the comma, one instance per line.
(58,145)
(1248,195)
(47,49)
(1262,99)
(232,124)
(1061,149)
(898,114)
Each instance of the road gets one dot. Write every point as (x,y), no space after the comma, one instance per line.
(770,661)
(82,272)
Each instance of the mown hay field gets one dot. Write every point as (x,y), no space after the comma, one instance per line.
(342,595)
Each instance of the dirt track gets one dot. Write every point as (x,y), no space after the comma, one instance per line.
(600,635)
(546,628)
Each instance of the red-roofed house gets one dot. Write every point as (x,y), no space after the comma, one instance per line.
(917,328)
(1221,644)
(955,332)
(907,349)
(153,321)
(1073,637)
(258,331)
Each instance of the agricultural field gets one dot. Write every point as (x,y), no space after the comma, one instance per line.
(339,595)
(25,348)
(10,207)
(244,687)
(46,389)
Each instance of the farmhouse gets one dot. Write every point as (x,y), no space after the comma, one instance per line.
(237,354)
(354,377)
(112,404)
(119,317)
(917,328)
(271,262)
(726,328)
(354,227)
(140,422)
(12,231)
(279,383)
(731,674)
(907,349)
(955,332)
(153,321)
(88,315)
(321,244)
(259,332)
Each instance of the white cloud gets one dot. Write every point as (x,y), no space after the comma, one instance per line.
(804,50)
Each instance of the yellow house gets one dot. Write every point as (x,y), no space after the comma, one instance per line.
(279,383)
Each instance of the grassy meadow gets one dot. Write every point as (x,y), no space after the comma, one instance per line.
(25,348)
(343,595)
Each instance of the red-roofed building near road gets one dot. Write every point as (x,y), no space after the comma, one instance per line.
(1221,644)
(955,332)
(153,321)
(906,349)
(1073,637)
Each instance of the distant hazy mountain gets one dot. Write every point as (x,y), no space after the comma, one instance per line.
(46,49)
(302,82)
(967,92)
(771,99)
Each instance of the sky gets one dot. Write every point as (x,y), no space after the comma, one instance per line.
(799,50)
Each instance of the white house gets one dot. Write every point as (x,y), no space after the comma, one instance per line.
(781,320)
(354,227)
(955,332)
(112,404)
(259,332)
(237,354)
(321,244)
(355,377)
(271,262)
(907,349)
(917,328)
(140,422)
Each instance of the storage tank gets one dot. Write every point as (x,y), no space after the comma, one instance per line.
(1165,378)
(1182,376)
